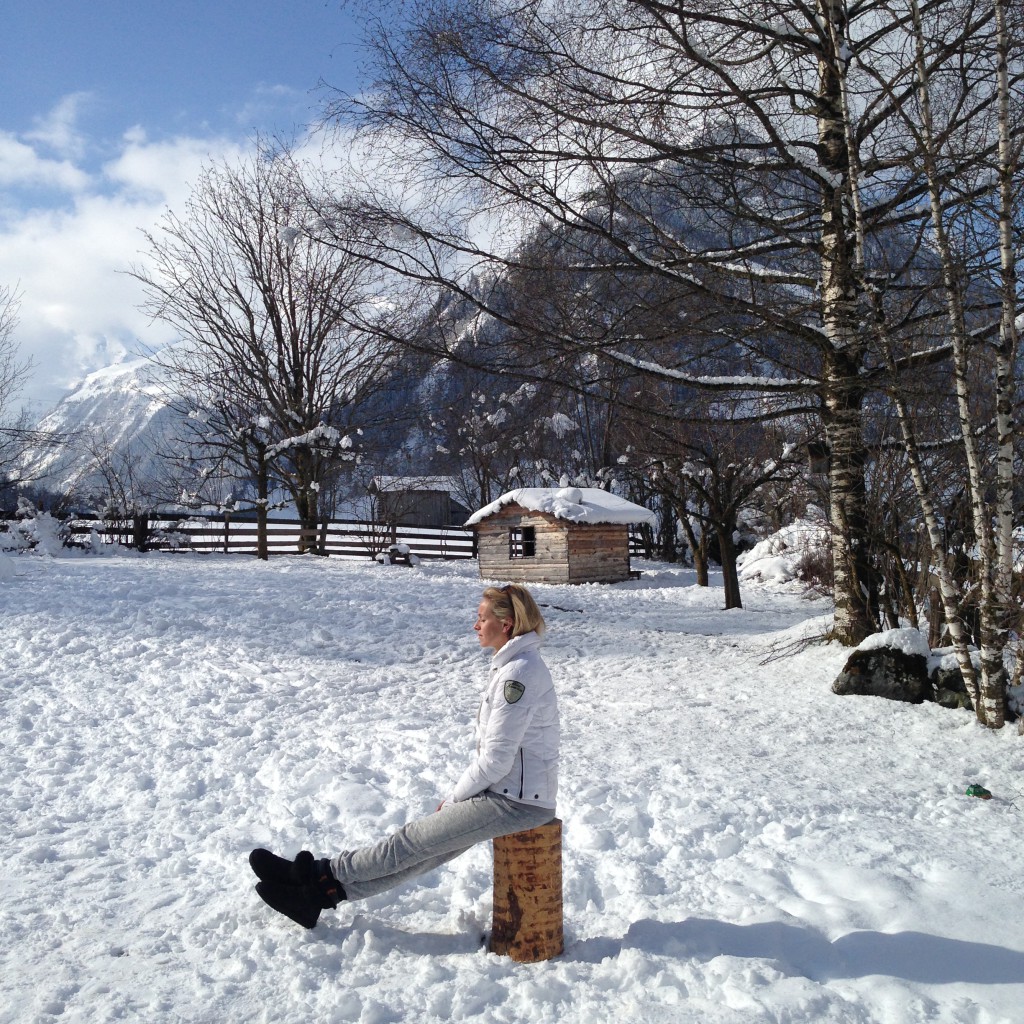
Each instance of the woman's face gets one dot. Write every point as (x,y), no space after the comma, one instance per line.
(489,628)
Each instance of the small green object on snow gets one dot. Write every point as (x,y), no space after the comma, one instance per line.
(979,791)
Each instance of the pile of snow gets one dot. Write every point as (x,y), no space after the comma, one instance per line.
(740,845)
(777,558)
(575,504)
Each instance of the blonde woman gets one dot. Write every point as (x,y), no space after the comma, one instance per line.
(509,784)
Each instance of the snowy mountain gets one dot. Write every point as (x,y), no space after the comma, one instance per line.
(111,436)
(117,415)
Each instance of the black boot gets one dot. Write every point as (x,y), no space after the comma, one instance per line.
(303,903)
(271,868)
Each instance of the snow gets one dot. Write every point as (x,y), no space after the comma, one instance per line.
(121,410)
(562,425)
(908,641)
(135,375)
(575,504)
(741,383)
(321,435)
(740,845)
(777,558)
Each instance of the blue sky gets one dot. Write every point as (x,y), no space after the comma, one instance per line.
(108,111)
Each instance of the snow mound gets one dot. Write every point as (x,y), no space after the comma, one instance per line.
(777,558)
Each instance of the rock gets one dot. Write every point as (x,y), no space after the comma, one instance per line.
(949,686)
(889,672)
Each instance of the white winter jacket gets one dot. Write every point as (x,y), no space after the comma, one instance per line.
(517,729)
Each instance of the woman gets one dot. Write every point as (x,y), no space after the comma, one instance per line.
(508,786)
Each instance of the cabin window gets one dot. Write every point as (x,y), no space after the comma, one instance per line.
(522,542)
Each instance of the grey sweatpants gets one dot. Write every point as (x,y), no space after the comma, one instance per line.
(429,842)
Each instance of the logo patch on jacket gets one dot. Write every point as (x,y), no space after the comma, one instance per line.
(514,690)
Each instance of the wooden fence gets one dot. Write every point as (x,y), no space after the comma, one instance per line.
(340,538)
(336,537)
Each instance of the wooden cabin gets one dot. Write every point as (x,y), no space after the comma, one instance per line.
(417,500)
(557,535)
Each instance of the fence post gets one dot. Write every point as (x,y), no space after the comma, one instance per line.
(527,916)
(140,531)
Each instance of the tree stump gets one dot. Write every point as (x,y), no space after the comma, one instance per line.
(527,916)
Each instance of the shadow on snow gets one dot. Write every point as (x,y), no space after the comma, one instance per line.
(912,956)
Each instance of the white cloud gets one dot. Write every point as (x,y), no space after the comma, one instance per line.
(21,166)
(166,169)
(79,309)
(269,102)
(71,228)
(58,129)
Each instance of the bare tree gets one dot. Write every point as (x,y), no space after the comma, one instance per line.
(272,360)
(713,470)
(14,431)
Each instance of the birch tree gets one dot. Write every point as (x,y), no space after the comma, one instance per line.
(973,173)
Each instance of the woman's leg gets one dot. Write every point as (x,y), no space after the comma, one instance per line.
(428,842)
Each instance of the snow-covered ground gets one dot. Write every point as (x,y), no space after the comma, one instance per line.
(740,844)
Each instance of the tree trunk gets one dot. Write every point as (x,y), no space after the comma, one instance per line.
(855,586)
(698,548)
(730,573)
(990,706)
(700,564)
(527,894)
(998,624)
(140,531)
(262,498)
(306,503)
(1006,350)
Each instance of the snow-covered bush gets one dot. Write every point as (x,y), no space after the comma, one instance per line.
(34,531)
(799,551)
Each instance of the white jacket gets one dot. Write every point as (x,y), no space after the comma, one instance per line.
(517,729)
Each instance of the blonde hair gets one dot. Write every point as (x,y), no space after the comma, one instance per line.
(516,603)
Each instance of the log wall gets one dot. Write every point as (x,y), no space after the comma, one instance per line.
(549,564)
(599,553)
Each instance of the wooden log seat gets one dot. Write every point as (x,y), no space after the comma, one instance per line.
(527,915)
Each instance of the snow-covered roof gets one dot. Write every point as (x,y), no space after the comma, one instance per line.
(576,504)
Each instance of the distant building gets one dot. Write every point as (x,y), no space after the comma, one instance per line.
(557,535)
(417,500)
